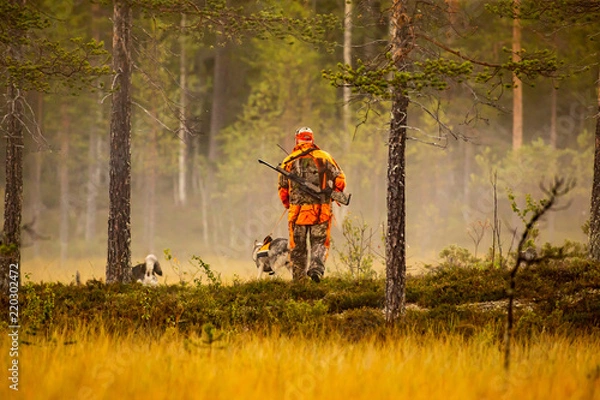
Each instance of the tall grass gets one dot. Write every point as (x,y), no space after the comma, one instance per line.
(97,365)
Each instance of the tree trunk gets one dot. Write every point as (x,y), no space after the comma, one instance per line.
(217,121)
(219,98)
(150,164)
(36,178)
(150,195)
(204,210)
(518,89)
(64,184)
(10,250)
(553,143)
(183,131)
(94,152)
(10,247)
(466,179)
(93,183)
(594,232)
(396,200)
(348,61)
(553,115)
(119,218)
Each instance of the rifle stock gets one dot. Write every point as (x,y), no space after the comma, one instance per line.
(309,188)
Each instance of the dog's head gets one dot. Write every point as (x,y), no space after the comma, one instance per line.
(146,273)
(152,265)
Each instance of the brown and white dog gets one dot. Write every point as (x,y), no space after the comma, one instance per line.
(273,258)
(146,272)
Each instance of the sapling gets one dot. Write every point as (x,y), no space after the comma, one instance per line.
(559,188)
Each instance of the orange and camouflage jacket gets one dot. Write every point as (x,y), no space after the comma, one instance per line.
(317,167)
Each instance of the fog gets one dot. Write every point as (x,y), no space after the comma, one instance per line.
(450,199)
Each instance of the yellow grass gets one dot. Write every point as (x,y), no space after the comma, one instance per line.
(100,366)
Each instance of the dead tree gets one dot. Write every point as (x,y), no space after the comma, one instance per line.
(559,188)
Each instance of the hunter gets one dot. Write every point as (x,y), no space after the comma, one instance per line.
(309,217)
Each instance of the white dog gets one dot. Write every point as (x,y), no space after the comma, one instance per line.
(271,255)
(145,273)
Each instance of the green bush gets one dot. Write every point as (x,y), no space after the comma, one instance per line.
(553,295)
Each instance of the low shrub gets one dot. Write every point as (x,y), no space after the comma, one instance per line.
(552,295)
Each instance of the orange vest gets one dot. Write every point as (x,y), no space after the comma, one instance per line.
(312,211)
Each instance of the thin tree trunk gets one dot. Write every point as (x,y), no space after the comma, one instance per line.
(119,219)
(553,144)
(518,89)
(204,198)
(341,212)
(150,184)
(36,179)
(150,162)
(467,167)
(348,61)
(94,152)
(396,198)
(150,195)
(93,183)
(217,117)
(64,184)
(594,231)
(183,132)
(10,251)
(217,121)
(553,114)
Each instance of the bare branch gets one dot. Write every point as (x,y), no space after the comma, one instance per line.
(559,188)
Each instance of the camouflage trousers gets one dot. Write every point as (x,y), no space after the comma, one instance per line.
(310,240)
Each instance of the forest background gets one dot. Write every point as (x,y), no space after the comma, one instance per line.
(207,106)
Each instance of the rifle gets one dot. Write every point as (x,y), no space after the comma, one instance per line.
(310,188)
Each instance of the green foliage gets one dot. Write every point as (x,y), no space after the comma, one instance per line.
(7,248)
(35,62)
(556,295)
(198,267)
(456,256)
(39,310)
(213,278)
(210,335)
(558,12)
(359,323)
(272,20)
(210,339)
(531,207)
(356,253)
(379,82)
(453,285)
(455,61)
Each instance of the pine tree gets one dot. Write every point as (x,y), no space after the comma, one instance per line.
(31,62)
(408,71)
